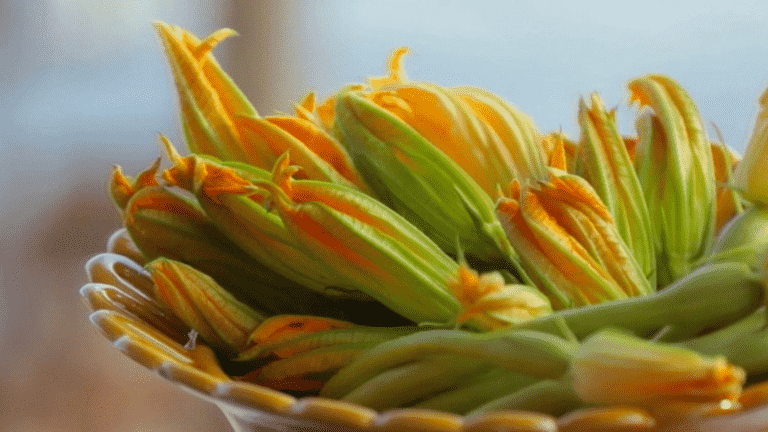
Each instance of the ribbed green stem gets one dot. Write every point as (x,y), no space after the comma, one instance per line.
(744,343)
(482,389)
(534,353)
(710,297)
(406,384)
(552,397)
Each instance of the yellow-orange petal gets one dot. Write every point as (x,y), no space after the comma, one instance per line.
(395,69)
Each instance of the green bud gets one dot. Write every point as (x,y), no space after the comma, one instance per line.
(519,140)
(220,319)
(615,368)
(420,182)
(602,159)
(165,224)
(674,165)
(743,239)
(238,210)
(366,246)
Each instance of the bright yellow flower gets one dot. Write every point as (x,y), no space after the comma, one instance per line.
(674,165)
(614,368)
(219,121)
(573,251)
(489,303)
(222,320)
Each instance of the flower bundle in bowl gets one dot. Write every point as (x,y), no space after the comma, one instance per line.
(404,255)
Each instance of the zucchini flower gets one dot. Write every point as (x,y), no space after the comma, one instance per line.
(674,165)
(412,176)
(520,142)
(615,368)
(287,335)
(574,253)
(603,161)
(122,188)
(209,98)
(750,179)
(366,246)
(489,303)
(729,202)
(221,320)
(446,121)
(238,209)
(165,224)
(219,121)
(490,140)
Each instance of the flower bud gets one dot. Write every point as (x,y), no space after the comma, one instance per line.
(750,178)
(309,367)
(674,165)
(614,368)
(519,142)
(209,99)
(165,224)
(204,305)
(574,253)
(603,161)
(489,303)
(238,209)
(418,181)
(122,188)
(219,121)
(366,246)
(288,335)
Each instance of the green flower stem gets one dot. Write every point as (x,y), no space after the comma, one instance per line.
(710,297)
(412,382)
(744,238)
(552,397)
(744,343)
(534,353)
(484,388)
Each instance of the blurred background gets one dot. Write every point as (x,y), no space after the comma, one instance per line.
(84,85)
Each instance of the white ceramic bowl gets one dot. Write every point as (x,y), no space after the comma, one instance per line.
(120,296)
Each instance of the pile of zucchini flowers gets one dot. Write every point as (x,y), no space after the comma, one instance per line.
(403,244)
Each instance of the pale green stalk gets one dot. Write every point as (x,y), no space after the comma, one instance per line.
(482,389)
(404,385)
(554,397)
(533,353)
(710,297)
